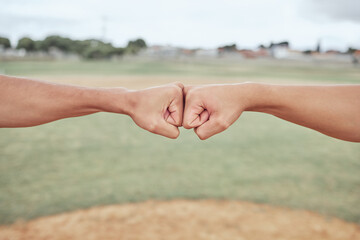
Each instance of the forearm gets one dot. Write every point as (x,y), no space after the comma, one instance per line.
(332,110)
(27,102)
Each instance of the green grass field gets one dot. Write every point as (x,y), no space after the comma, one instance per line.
(106,159)
(282,71)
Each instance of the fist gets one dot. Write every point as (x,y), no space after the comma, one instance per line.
(159,109)
(210,109)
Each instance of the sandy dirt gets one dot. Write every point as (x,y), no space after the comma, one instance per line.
(184,219)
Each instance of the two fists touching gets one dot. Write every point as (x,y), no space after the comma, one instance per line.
(330,109)
(160,110)
(208,109)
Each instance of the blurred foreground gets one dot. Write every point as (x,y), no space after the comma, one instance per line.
(183,219)
(106,159)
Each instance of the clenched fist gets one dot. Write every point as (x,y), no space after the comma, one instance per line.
(211,109)
(159,109)
(330,109)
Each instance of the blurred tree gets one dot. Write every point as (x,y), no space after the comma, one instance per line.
(95,53)
(81,46)
(38,45)
(118,51)
(5,42)
(26,43)
(89,48)
(62,43)
(96,49)
(351,50)
(133,47)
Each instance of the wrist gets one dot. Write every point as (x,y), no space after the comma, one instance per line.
(114,100)
(259,97)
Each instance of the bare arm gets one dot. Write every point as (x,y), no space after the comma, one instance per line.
(332,110)
(25,103)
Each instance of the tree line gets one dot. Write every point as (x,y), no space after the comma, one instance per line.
(89,49)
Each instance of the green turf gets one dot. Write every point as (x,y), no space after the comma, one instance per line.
(105,158)
(252,70)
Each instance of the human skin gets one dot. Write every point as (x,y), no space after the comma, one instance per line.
(333,110)
(26,103)
(210,109)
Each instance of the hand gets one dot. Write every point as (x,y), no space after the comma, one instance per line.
(159,109)
(211,109)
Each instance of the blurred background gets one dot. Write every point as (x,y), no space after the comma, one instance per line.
(105,159)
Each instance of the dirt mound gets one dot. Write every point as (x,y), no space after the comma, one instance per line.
(183,219)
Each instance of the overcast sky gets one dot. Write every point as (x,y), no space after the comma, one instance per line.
(188,23)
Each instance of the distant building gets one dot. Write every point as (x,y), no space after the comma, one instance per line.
(279,50)
(259,53)
(11,53)
(206,53)
(332,56)
(161,51)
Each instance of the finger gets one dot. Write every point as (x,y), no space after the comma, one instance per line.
(201,119)
(174,116)
(174,113)
(166,129)
(171,117)
(194,114)
(198,119)
(209,128)
(167,115)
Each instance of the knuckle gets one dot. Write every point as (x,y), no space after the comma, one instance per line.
(201,136)
(190,94)
(153,127)
(179,85)
(222,124)
(175,91)
(175,135)
(186,125)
